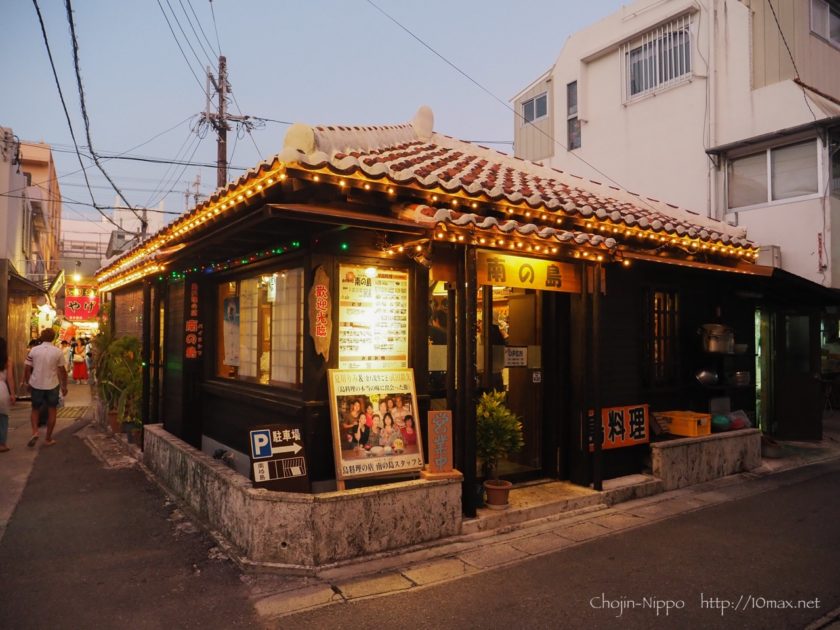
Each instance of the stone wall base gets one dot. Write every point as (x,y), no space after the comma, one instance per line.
(302,532)
(685,462)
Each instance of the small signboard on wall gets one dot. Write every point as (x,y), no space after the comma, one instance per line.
(278,460)
(440,441)
(622,426)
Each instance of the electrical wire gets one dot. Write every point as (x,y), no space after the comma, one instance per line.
(504,104)
(201,28)
(169,173)
(790,54)
(64,107)
(183,54)
(215,28)
(192,28)
(85,118)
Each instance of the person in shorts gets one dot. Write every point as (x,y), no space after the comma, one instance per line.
(45,374)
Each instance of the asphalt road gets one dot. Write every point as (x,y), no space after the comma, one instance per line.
(91,547)
(773,556)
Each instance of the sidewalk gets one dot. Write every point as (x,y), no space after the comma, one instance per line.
(105,524)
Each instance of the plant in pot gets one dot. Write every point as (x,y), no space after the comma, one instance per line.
(122,382)
(498,434)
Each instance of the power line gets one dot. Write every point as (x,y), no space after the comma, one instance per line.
(183,54)
(499,100)
(198,22)
(64,107)
(215,27)
(790,54)
(85,118)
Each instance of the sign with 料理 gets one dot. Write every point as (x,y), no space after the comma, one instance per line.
(622,426)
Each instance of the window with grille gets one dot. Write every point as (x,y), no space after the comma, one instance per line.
(657,60)
(662,346)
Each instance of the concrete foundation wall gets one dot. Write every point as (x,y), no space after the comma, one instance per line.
(684,462)
(302,531)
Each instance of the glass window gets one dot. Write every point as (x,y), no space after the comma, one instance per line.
(834,157)
(571,99)
(572,122)
(261,329)
(659,58)
(663,338)
(747,180)
(793,173)
(825,19)
(794,170)
(535,108)
(573,132)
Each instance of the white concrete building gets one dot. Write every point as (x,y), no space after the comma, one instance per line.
(729,108)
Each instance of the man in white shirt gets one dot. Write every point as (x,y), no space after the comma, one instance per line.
(44,373)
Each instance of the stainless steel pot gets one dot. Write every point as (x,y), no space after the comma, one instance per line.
(718,338)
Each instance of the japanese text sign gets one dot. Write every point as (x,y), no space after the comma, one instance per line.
(278,461)
(320,309)
(374,422)
(506,270)
(623,426)
(193,327)
(81,308)
(440,441)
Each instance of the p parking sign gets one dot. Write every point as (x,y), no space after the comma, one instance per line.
(261,444)
(278,460)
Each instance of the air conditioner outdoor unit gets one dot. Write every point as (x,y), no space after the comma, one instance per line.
(770,255)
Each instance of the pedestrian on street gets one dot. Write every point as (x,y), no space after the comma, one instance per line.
(80,374)
(45,374)
(7,393)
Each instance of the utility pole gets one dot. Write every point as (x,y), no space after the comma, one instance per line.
(219,119)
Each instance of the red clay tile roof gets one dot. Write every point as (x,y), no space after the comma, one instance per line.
(412,155)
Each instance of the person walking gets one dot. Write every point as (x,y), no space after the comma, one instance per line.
(45,374)
(7,393)
(79,364)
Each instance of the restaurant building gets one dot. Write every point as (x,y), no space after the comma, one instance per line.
(389,248)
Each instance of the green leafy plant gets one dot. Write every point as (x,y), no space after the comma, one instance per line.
(120,377)
(498,431)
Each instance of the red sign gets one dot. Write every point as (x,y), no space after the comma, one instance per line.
(623,426)
(81,308)
(193,328)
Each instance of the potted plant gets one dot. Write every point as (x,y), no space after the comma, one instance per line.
(498,434)
(122,382)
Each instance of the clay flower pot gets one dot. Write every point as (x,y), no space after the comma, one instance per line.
(497,493)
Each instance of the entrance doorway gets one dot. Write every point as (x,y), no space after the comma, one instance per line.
(509,357)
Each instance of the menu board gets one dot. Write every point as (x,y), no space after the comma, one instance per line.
(373,318)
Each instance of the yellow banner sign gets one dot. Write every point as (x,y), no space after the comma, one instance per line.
(526,273)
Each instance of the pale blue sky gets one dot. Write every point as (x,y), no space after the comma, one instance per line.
(316,61)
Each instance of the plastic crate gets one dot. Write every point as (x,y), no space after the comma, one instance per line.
(686,423)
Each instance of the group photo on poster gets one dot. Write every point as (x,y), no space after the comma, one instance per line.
(375,422)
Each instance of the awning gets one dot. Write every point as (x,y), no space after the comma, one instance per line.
(18,285)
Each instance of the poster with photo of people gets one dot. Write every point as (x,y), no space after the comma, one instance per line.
(374,422)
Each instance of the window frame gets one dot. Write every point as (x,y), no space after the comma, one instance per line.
(768,163)
(218,363)
(669,375)
(533,102)
(572,119)
(651,43)
(815,28)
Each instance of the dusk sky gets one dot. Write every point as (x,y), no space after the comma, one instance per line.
(317,62)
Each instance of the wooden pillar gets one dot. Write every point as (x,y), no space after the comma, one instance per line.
(157,359)
(597,459)
(487,316)
(146,350)
(451,348)
(4,299)
(469,382)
